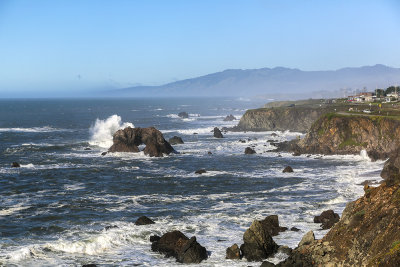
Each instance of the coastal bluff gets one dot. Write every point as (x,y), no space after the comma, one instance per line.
(295,116)
(336,133)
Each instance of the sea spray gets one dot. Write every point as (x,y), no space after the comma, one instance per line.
(102,131)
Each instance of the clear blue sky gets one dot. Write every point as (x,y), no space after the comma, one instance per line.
(79,44)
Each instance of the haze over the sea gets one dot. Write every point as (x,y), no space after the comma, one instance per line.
(74,48)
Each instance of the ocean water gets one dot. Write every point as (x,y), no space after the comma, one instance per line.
(55,209)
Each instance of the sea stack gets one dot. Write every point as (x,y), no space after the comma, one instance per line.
(129,140)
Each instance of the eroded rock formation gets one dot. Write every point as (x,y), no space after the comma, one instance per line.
(129,140)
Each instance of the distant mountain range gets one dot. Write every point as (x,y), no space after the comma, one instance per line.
(276,83)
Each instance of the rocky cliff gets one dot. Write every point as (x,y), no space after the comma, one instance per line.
(349,134)
(297,119)
(368,234)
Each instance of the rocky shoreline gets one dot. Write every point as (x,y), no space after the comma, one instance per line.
(368,234)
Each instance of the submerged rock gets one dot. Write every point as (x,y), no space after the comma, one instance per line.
(129,140)
(104,153)
(175,140)
(108,227)
(233,252)
(15,165)
(287,169)
(176,244)
(144,221)
(327,219)
(230,118)
(201,171)
(249,151)
(217,133)
(183,115)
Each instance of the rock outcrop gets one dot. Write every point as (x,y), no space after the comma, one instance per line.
(297,119)
(343,134)
(391,169)
(334,133)
(129,140)
(217,133)
(368,234)
(271,225)
(176,244)
(258,243)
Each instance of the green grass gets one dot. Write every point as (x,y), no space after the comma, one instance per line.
(351,142)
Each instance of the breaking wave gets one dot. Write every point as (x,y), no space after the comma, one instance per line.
(102,131)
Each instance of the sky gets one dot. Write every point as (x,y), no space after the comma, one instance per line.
(80,45)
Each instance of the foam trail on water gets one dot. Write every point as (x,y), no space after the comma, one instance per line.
(103,130)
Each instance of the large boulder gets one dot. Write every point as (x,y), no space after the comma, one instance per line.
(129,140)
(176,244)
(258,243)
(217,133)
(175,140)
(230,118)
(183,115)
(271,224)
(327,219)
(233,252)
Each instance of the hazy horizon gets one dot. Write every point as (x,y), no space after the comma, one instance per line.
(72,48)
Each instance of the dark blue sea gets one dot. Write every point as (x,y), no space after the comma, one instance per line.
(54,210)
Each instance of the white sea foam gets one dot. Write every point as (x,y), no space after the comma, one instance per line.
(204,130)
(103,130)
(173,116)
(28,166)
(43,129)
(13,209)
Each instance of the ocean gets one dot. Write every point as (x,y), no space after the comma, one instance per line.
(55,210)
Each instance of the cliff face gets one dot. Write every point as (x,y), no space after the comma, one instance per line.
(297,119)
(368,234)
(343,134)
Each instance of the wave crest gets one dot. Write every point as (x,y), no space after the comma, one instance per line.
(102,131)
